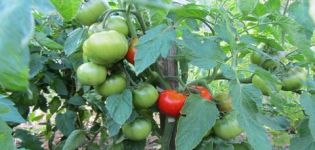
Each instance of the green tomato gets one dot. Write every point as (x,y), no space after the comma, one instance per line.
(269,64)
(145,95)
(114,84)
(118,24)
(294,80)
(106,47)
(224,102)
(91,11)
(264,88)
(137,130)
(94,28)
(256,58)
(91,74)
(227,127)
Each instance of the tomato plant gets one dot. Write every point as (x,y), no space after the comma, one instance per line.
(86,74)
(118,24)
(224,102)
(91,11)
(227,127)
(91,74)
(294,79)
(145,95)
(114,84)
(171,102)
(137,130)
(105,47)
(204,92)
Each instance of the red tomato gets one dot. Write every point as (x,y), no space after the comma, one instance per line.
(131,55)
(204,92)
(170,102)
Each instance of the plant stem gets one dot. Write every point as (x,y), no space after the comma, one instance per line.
(168,132)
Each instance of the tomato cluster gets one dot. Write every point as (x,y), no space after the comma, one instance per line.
(292,77)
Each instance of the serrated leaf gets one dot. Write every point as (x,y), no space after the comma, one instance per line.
(246,6)
(304,140)
(299,12)
(36,64)
(54,104)
(43,40)
(119,106)
(75,139)
(14,37)
(75,40)
(244,97)
(29,141)
(11,114)
(155,43)
(76,100)
(66,122)
(67,8)
(188,11)
(203,52)
(6,139)
(191,127)
(308,102)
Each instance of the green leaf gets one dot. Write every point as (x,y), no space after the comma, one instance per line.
(204,52)
(36,64)
(67,8)
(10,113)
(76,100)
(29,141)
(54,104)
(297,35)
(60,87)
(299,12)
(188,11)
(6,139)
(44,6)
(75,40)
(75,139)
(244,97)
(43,40)
(308,102)
(191,127)
(246,6)
(304,140)
(14,37)
(134,145)
(156,42)
(66,122)
(119,106)
(112,126)
(270,79)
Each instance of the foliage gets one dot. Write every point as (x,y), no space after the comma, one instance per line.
(207,44)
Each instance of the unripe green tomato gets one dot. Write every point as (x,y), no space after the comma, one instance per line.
(94,28)
(137,130)
(224,102)
(91,11)
(118,24)
(113,84)
(269,64)
(145,95)
(227,127)
(261,84)
(256,58)
(106,47)
(91,74)
(294,79)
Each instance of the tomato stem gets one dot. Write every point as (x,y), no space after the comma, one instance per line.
(169,126)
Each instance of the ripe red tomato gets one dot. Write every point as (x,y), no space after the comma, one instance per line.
(131,55)
(170,102)
(204,92)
